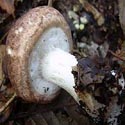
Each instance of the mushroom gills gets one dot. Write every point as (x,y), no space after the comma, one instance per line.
(51,39)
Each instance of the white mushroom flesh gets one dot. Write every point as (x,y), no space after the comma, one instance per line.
(50,39)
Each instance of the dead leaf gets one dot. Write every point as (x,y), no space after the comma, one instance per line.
(87,99)
(8,6)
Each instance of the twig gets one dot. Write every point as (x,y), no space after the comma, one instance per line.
(7,103)
(3,37)
(50,3)
(114,54)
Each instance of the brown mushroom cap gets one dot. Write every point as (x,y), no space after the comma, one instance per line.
(21,40)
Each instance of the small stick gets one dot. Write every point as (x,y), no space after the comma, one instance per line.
(3,37)
(50,3)
(114,54)
(7,103)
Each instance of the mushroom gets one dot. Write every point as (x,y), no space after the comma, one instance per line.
(38,55)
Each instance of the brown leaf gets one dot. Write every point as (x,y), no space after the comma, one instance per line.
(8,6)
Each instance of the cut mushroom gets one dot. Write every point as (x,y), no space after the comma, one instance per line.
(36,34)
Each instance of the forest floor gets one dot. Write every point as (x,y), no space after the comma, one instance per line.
(98,44)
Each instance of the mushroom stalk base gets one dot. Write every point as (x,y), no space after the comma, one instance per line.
(56,67)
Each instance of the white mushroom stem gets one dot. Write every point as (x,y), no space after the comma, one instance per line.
(56,67)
